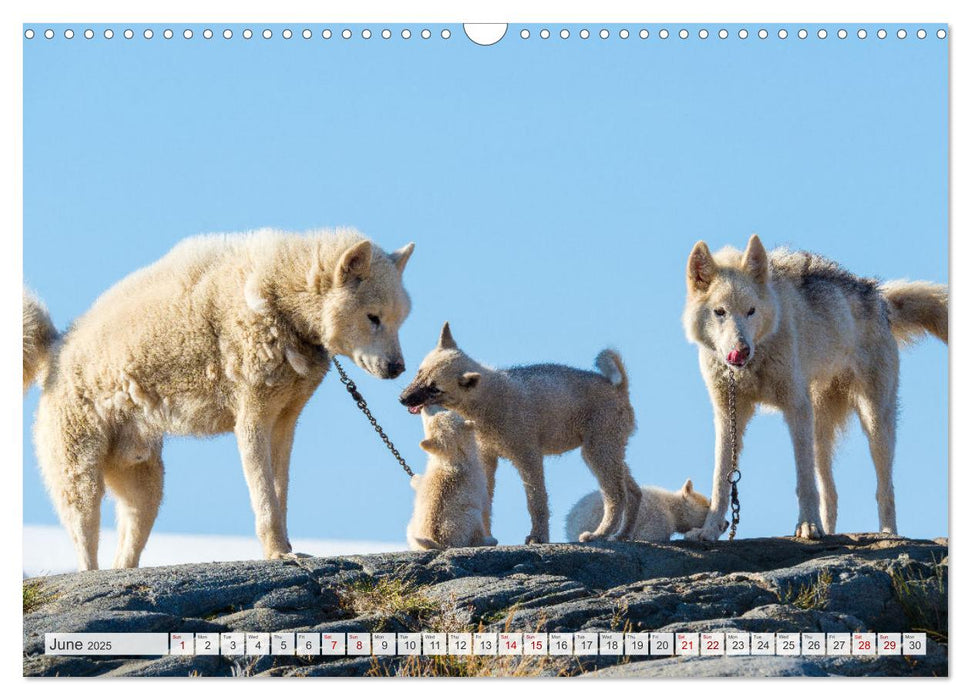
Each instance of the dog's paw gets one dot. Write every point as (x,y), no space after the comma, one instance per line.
(588,537)
(288,556)
(536,539)
(490,542)
(808,531)
(702,534)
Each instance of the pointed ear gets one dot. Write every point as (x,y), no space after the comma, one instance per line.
(701,268)
(400,256)
(355,263)
(469,380)
(431,446)
(756,261)
(445,340)
(688,488)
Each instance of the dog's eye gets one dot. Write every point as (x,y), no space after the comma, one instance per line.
(434,389)
(375,321)
(719,312)
(751,312)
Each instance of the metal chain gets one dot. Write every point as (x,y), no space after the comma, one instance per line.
(362,404)
(734,476)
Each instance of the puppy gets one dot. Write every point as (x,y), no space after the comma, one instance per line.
(451,497)
(524,413)
(662,513)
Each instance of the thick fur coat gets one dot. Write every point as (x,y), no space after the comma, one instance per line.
(451,497)
(226,333)
(807,337)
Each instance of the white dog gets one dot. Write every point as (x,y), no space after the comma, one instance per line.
(451,497)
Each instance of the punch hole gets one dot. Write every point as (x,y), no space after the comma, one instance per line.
(247,33)
(624,33)
(643,34)
(881,34)
(584,33)
(524,34)
(366,34)
(148,34)
(901,33)
(743,33)
(405,34)
(783,34)
(426,34)
(89,34)
(564,33)
(129,34)
(722,33)
(168,34)
(861,33)
(544,34)
(941,34)
(385,33)
(267,34)
(49,34)
(228,34)
(488,34)
(821,34)
(841,34)
(604,34)
(663,34)
(109,33)
(921,34)
(763,34)
(446,33)
(327,34)
(346,34)
(29,34)
(683,34)
(803,33)
(68,33)
(702,33)
(287,34)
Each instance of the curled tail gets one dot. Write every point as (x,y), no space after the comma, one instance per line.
(39,336)
(916,308)
(610,365)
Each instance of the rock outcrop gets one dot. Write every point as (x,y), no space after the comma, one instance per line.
(843,583)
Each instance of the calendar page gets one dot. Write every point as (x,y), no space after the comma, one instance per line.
(417,349)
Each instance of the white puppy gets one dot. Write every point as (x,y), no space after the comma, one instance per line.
(451,497)
(660,515)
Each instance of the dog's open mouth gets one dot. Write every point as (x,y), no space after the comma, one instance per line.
(415,410)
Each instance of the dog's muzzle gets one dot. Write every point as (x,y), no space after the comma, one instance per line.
(414,399)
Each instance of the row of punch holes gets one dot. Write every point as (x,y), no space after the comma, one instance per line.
(446,33)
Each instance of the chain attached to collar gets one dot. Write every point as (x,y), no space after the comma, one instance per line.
(362,404)
(734,476)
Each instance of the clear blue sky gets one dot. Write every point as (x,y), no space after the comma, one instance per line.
(553,188)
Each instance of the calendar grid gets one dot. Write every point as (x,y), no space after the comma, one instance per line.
(651,644)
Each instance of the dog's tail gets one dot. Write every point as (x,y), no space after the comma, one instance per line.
(916,308)
(39,337)
(610,365)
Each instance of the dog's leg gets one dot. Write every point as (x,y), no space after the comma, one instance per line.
(720,486)
(530,468)
(282,447)
(71,468)
(878,416)
(138,488)
(632,509)
(490,462)
(606,462)
(799,417)
(830,410)
(253,438)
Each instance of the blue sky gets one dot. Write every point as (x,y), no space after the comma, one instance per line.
(553,188)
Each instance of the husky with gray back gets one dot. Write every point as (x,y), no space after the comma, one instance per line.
(807,337)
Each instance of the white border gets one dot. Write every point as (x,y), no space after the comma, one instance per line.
(708,11)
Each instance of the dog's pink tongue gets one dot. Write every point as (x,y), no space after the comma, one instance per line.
(414,410)
(735,357)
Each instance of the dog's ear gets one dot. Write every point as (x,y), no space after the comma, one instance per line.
(469,424)
(355,263)
(469,380)
(687,489)
(445,340)
(400,256)
(756,261)
(701,268)
(432,446)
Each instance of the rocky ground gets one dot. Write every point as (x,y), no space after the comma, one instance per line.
(843,583)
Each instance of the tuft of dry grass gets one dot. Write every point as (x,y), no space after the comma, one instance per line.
(813,595)
(35,596)
(386,596)
(917,593)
